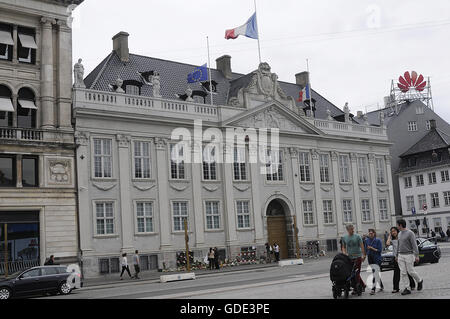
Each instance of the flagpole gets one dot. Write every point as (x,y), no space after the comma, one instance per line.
(209,70)
(309,88)
(257,29)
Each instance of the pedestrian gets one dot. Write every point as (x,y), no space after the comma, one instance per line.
(406,254)
(317,244)
(211,258)
(276,249)
(50,261)
(433,234)
(442,234)
(216,258)
(136,264)
(393,240)
(353,246)
(268,253)
(448,233)
(374,247)
(124,264)
(386,236)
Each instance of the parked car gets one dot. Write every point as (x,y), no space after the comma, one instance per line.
(38,280)
(429,252)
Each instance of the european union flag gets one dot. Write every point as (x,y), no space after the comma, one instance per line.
(199,74)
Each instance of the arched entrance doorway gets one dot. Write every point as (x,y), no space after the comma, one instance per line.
(279,227)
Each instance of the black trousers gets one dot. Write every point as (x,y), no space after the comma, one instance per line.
(127,269)
(137,270)
(277,256)
(396,279)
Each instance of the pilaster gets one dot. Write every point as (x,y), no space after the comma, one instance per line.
(357,204)
(47,78)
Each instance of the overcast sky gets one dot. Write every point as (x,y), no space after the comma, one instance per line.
(355,47)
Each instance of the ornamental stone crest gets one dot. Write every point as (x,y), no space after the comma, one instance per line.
(59,171)
(270,118)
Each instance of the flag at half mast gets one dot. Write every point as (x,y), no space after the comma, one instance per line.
(249,29)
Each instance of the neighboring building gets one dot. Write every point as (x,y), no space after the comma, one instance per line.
(37,168)
(406,125)
(133,196)
(424,175)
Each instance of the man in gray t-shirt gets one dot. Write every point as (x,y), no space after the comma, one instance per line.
(136,263)
(406,254)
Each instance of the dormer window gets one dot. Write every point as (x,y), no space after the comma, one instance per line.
(412,162)
(132,87)
(6,43)
(26,45)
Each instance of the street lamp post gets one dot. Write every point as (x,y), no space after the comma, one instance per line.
(186,239)
(5,231)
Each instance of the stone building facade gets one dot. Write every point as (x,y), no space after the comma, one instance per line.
(37,166)
(134,195)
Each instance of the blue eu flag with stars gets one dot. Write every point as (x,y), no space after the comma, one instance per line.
(199,74)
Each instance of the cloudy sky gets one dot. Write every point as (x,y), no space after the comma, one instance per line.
(355,47)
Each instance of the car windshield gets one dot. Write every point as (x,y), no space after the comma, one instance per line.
(389,248)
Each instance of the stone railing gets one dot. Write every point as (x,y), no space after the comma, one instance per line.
(23,134)
(177,108)
(350,129)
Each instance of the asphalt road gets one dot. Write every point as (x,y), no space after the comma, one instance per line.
(310,280)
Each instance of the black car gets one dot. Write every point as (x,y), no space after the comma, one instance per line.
(38,280)
(429,252)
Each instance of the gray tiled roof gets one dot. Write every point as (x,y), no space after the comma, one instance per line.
(173,77)
(434,140)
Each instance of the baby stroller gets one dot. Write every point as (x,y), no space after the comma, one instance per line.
(343,275)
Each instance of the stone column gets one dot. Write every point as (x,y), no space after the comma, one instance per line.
(337,192)
(85,214)
(197,193)
(296,184)
(47,91)
(317,192)
(15,105)
(388,159)
(64,81)
(163,191)
(19,171)
(16,45)
(126,207)
(374,191)
(230,232)
(357,199)
(258,214)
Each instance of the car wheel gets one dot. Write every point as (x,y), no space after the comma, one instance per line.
(5,293)
(65,289)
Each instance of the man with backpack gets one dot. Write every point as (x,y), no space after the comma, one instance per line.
(353,246)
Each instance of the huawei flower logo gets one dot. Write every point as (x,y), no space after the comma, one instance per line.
(411,81)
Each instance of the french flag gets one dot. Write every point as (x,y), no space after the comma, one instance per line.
(304,94)
(249,29)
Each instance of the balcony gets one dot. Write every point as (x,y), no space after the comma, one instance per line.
(350,129)
(22,134)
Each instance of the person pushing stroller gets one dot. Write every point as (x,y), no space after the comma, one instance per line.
(353,246)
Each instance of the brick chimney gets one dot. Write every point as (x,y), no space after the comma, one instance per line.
(120,45)
(302,79)
(223,64)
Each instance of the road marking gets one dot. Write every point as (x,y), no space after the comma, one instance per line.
(226,289)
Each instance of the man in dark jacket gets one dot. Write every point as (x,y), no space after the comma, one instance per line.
(50,261)
(448,233)
(374,247)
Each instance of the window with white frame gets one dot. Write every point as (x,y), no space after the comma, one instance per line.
(243,214)
(412,126)
(102,158)
(422,199)
(104,218)
(324,164)
(177,161)
(274,165)
(419,180)
(432,178)
(308,214)
(327,212)
(380,172)
(212,215)
(437,224)
(365,210)
(344,168)
(383,209)
(209,163)
(363,171)
(447,198)
(142,167)
(434,200)
(347,210)
(144,215)
(305,167)
(408,182)
(180,214)
(132,89)
(6,42)
(409,203)
(445,176)
(239,165)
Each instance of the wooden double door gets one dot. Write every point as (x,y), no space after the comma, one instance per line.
(276,228)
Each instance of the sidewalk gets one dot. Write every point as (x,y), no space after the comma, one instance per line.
(153,276)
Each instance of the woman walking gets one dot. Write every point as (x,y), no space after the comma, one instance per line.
(211,259)
(125,266)
(393,240)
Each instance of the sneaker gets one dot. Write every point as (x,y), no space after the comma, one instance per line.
(121,278)
(372,292)
(395,291)
(420,285)
(406,292)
